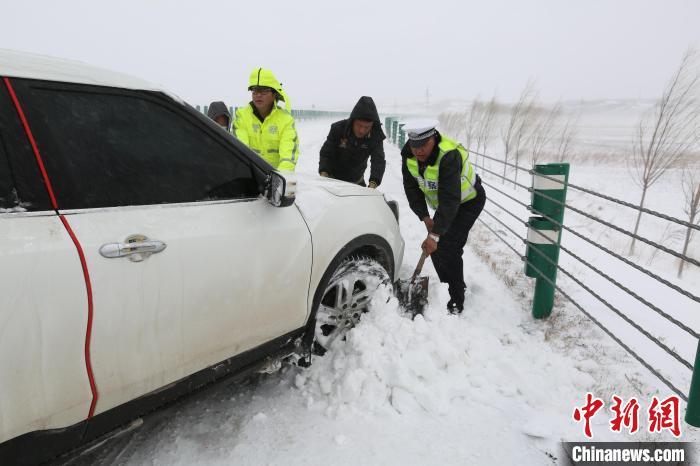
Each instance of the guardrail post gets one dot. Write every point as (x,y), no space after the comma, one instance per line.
(540,235)
(394,130)
(692,411)
(387,127)
(545,235)
(402,136)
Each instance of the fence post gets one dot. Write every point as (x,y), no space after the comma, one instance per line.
(692,411)
(387,127)
(402,136)
(541,231)
(394,130)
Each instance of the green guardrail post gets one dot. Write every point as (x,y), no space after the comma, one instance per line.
(198,109)
(692,410)
(545,235)
(387,127)
(394,130)
(540,235)
(402,135)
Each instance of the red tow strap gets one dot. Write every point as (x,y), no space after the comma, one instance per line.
(83,262)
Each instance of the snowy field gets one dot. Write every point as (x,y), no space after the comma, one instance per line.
(491,386)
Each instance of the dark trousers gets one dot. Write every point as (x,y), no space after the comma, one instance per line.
(447,259)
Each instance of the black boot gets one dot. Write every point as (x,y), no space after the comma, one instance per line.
(456,303)
(454,307)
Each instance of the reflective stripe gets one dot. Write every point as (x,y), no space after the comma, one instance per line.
(428,183)
(294,149)
(258,136)
(535,236)
(540,182)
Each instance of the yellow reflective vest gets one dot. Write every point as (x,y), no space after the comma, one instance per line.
(428,182)
(274,139)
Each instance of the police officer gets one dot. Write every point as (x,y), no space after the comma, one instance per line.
(266,128)
(437,172)
(351,142)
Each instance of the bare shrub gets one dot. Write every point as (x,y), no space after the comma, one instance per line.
(666,135)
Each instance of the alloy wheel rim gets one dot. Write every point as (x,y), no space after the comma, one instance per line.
(344,301)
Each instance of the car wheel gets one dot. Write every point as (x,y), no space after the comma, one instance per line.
(345,298)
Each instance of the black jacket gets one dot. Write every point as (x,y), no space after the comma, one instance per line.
(449,187)
(218,109)
(344,157)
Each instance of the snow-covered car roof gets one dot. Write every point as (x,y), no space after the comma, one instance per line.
(29,65)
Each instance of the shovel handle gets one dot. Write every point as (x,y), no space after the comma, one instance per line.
(419,267)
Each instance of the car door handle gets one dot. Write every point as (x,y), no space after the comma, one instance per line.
(136,247)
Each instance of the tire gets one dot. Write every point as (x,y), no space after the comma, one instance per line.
(345,298)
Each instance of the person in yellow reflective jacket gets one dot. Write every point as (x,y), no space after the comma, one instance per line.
(266,128)
(437,172)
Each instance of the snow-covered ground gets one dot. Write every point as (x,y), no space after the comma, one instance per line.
(491,386)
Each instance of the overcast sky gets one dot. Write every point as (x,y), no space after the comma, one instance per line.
(329,53)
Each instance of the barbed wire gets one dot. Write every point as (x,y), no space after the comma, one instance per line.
(623,259)
(595,193)
(586,313)
(621,202)
(527,206)
(604,275)
(632,293)
(499,160)
(506,211)
(621,314)
(618,229)
(499,236)
(612,335)
(607,250)
(504,225)
(481,167)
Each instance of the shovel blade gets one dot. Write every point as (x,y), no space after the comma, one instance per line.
(413,295)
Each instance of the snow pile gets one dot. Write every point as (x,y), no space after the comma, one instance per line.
(492,386)
(391,362)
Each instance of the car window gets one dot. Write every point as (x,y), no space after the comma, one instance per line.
(8,196)
(105,147)
(21,185)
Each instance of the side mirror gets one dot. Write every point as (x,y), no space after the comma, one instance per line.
(280,189)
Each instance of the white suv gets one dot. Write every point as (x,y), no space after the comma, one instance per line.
(145,252)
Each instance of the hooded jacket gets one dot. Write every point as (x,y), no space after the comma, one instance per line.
(218,109)
(263,77)
(344,156)
(273,138)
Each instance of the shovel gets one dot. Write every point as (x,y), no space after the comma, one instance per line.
(413,294)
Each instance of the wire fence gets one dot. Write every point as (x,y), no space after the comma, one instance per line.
(588,263)
(617,340)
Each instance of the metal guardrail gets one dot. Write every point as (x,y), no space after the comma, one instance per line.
(543,244)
